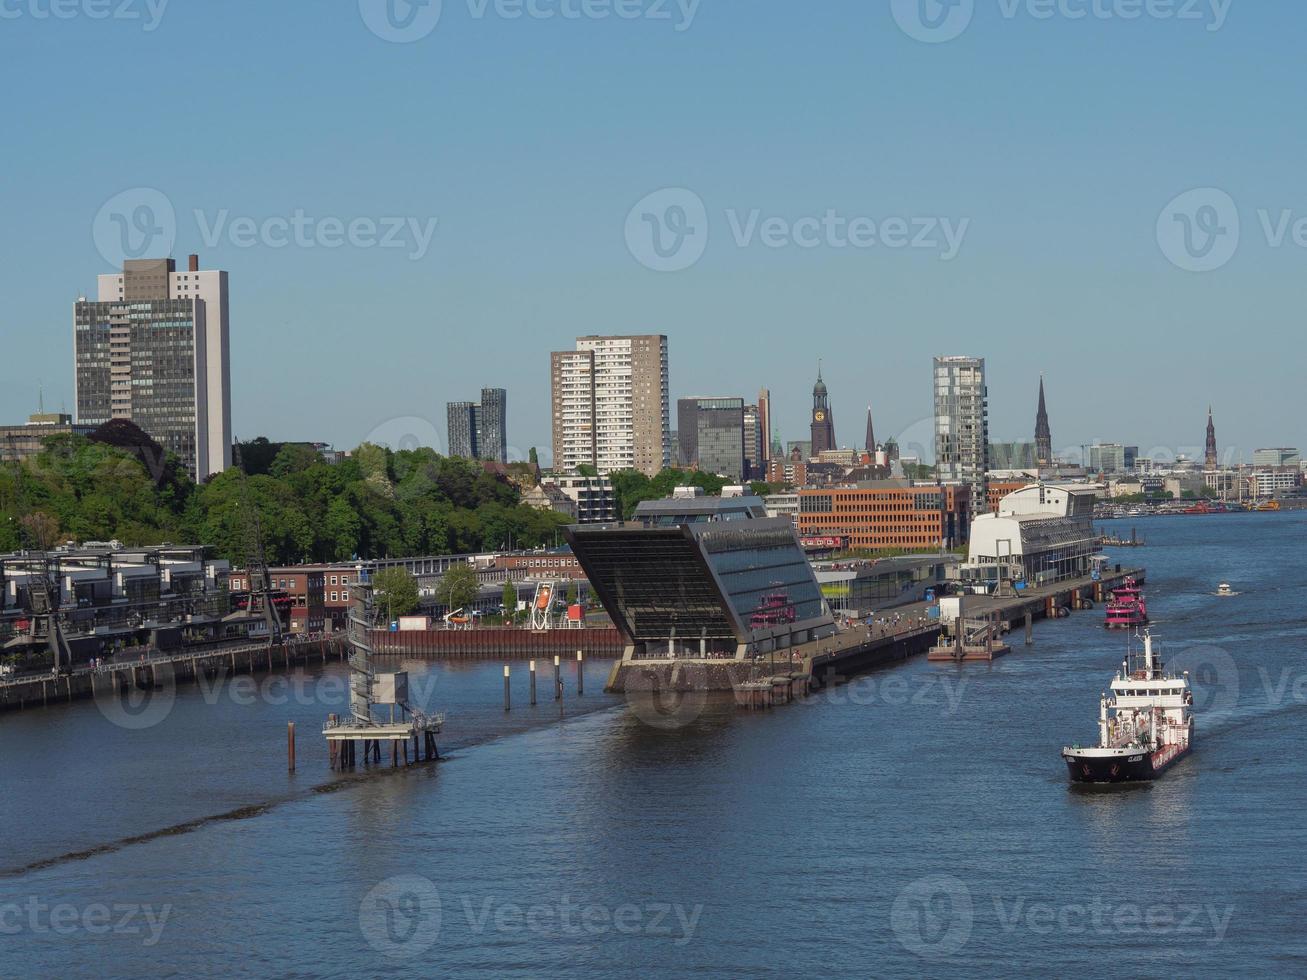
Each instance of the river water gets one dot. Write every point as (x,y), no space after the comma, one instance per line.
(915,822)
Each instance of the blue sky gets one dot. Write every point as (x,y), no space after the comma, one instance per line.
(1055,143)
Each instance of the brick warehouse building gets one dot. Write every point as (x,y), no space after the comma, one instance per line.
(887,515)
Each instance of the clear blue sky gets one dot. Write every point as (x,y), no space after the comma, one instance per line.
(1060,140)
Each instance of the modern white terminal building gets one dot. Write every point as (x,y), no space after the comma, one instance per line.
(1042,533)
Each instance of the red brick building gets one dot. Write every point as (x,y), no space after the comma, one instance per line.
(886,515)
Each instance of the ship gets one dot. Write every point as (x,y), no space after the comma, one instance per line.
(1145,725)
(774,610)
(1127,610)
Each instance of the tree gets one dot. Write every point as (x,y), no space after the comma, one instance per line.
(510,600)
(41,529)
(398,590)
(573,594)
(458,586)
(533,457)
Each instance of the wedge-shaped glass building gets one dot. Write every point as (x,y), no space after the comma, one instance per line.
(703,578)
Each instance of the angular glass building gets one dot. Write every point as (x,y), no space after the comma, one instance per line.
(703,578)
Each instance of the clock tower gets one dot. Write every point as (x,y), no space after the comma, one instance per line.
(823,421)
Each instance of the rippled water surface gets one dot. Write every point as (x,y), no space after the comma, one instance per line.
(917,821)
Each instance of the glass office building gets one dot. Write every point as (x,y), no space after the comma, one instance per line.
(703,577)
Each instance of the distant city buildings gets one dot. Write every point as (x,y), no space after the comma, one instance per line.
(1110,459)
(155,349)
(478,430)
(754,443)
(962,426)
(19,443)
(711,435)
(1275,458)
(610,405)
(765,425)
(1014,456)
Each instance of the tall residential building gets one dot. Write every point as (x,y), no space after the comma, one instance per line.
(610,405)
(462,417)
(719,440)
(477,430)
(1212,459)
(764,423)
(823,419)
(492,425)
(962,425)
(754,443)
(1043,434)
(156,349)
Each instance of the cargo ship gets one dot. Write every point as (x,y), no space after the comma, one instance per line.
(1127,610)
(1145,725)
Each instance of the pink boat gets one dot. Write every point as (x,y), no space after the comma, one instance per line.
(1127,610)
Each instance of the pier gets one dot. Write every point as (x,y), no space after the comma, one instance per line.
(858,648)
(42,690)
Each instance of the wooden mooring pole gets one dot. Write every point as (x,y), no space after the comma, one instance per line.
(533,682)
(508,691)
(290,746)
(580,672)
(558,678)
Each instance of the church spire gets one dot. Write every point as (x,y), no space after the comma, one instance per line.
(871,436)
(1043,434)
(1212,460)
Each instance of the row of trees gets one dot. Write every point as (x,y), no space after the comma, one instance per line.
(119,484)
(375,504)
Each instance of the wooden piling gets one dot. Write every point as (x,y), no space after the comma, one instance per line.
(290,746)
(508,690)
(580,672)
(558,678)
(533,682)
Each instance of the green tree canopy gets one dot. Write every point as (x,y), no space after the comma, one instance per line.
(396,591)
(458,586)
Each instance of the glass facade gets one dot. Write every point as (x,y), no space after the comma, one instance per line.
(137,361)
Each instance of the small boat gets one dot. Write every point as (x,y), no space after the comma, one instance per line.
(1225,591)
(1127,610)
(1145,725)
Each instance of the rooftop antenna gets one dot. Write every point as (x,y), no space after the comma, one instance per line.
(40,396)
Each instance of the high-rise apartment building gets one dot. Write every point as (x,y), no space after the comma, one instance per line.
(962,425)
(462,419)
(478,430)
(155,349)
(610,405)
(764,423)
(492,425)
